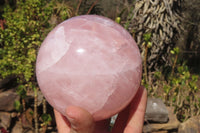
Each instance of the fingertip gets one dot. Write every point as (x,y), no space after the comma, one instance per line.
(78,113)
(140,95)
(71,112)
(79,118)
(135,111)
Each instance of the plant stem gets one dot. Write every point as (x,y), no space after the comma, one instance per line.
(44,106)
(77,9)
(145,64)
(92,6)
(44,127)
(35,110)
(23,105)
(2,22)
(174,65)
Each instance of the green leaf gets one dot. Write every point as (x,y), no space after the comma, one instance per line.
(147,37)
(46,118)
(149,44)
(18,106)
(118,20)
(172,52)
(157,75)
(21,91)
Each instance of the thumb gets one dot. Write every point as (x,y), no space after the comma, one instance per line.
(81,120)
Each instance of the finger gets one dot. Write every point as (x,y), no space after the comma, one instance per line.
(81,120)
(136,118)
(132,117)
(63,124)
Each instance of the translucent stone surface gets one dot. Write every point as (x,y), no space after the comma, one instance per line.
(91,62)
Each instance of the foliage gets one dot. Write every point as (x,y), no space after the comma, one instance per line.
(147,45)
(21,38)
(179,89)
(26,25)
(46,118)
(18,106)
(154,28)
(182,93)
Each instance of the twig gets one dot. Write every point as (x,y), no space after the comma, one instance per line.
(24,105)
(44,106)
(2,22)
(145,63)
(77,9)
(44,127)
(92,6)
(174,65)
(35,110)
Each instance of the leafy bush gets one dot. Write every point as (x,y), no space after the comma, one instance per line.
(182,92)
(24,32)
(26,25)
(178,88)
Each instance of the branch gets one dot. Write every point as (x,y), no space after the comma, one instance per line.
(77,9)
(92,6)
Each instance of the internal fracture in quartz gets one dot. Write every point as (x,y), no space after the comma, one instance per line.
(91,62)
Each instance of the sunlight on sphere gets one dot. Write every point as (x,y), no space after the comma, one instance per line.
(91,62)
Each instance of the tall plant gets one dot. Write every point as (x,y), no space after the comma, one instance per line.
(179,88)
(25,29)
(161,19)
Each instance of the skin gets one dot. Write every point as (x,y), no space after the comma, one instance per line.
(129,120)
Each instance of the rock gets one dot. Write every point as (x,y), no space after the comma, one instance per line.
(29,131)
(5,120)
(156,111)
(113,119)
(4,82)
(172,124)
(24,125)
(8,98)
(27,119)
(192,125)
(17,128)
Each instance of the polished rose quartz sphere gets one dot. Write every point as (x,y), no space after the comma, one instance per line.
(91,62)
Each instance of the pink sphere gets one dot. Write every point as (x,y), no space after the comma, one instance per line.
(91,62)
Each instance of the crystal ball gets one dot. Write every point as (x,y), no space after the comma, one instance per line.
(91,62)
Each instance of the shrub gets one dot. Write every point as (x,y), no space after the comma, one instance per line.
(178,88)
(26,25)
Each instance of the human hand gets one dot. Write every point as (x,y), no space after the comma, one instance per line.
(129,120)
